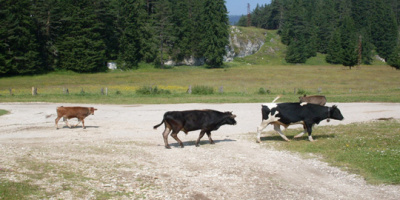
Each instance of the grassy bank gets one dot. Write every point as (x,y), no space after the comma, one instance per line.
(371,150)
(241,83)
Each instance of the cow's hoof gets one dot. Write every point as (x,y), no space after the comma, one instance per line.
(258,141)
(167,147)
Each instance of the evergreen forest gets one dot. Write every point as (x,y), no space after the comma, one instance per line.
(349,32)
(39,36)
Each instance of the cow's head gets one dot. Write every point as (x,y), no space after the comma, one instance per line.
(229,118)
(302,98)
(335,113)
(91,109)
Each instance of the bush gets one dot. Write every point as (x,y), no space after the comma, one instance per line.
(263,91)
(301,91)
(203,90)
(148,90)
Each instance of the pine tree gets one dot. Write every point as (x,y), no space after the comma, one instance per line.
(81,45)
(384,29)
(334,49)
(215,32)
(348,42)
(295,52)
(47,15)
(394,58)
(164,29)
(19,47)
(132,17)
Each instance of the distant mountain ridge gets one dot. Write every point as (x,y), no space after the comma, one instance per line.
(233,19)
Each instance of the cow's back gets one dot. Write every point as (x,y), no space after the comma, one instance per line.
(315,99)
(71,112)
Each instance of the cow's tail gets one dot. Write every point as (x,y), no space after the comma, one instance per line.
(276,98)
(156,126)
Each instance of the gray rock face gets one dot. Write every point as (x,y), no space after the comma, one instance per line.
(240,45)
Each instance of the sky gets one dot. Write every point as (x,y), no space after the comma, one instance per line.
(239,7)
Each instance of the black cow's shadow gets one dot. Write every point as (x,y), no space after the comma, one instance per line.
(291,137)
(202,142)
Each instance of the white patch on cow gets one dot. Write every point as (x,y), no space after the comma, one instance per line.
(310,138)
(271,118)
(303,104)
(270,105)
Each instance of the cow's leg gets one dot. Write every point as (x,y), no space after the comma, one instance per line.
(83,123)
(260,128)
(57,119)
(209,137)
(302,133)
(165,136)
(174,134)
(79,121)
(200,136)
(277,128)
(66,122)
(309,130)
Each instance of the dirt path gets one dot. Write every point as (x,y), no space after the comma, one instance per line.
(120,155)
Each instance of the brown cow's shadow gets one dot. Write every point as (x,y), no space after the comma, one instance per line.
(80,127)
(202,142)
(291,137)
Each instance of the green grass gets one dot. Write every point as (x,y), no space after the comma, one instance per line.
(240,83)
(17,190)
(3,112)
(371,150)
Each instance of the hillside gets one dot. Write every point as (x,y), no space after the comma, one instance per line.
(257,46)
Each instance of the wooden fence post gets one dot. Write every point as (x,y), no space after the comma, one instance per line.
(34,91)
(102,91)
(106,91)
(189,89)
(11,93)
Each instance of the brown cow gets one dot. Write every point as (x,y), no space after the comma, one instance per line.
(315,99)
(74,112)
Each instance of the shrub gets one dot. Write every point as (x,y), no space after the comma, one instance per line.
(301,91)
(148,90)
(264,91)
(201,89)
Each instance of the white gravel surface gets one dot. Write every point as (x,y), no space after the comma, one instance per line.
(119,153)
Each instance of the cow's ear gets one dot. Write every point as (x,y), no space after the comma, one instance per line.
(233,116)
(95,109)
(334,107)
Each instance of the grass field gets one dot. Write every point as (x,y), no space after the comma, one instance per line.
(371,150)
(238,82)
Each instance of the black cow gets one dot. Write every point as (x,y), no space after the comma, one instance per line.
(286,114)
(190,120)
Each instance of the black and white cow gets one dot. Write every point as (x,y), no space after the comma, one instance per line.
(286,114)
(190,120)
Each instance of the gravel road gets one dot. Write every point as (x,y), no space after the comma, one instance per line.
(119,154)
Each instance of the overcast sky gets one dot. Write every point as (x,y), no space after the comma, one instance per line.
(239,7)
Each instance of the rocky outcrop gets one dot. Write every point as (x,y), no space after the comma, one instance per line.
(240,45)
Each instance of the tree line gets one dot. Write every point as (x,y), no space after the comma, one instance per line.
(349,32)
(38,36)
